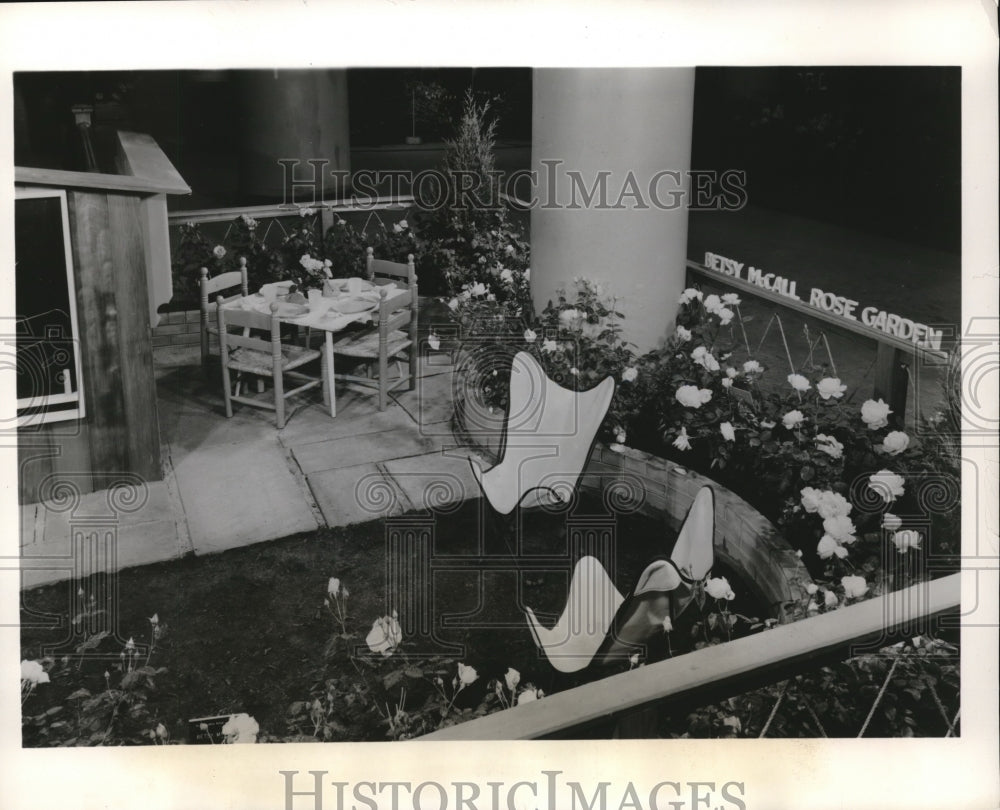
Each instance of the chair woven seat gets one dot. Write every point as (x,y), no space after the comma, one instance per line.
(255,362)
(365,344)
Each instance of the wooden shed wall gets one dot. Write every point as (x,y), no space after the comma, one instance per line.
(119,432)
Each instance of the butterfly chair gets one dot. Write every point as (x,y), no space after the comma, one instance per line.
(548,435)
(599,625)
(210,289)
(395,334)
(261,357)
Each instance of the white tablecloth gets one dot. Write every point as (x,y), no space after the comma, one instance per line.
(321,315)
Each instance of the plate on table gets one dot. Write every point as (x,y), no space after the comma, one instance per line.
(356,285)
(287,310)
(353,306)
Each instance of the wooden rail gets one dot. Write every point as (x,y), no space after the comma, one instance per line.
(812,312)
(289,209)
(31,176)
(892,353)
(722,670)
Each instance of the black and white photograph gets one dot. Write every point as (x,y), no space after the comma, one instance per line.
(486,427)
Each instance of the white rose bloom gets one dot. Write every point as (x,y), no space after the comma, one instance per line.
(727,382)
(811,588)
(713,303)
(731,299)
(830,599)
(467,675)
(829,445)
(512,678)
(219,251)
(453,304)
(830,387)
(731,372)
(725,315)
(683,334)
(854,587)
(887,484)
(333,586)
(682,442)
(891,522)
(752,367)
(507,277)
(718,588)
(529,695)
(833,504)
(33,672)
(906,539)
(840,528)
(895,442)
(570,318)
(241,729)
(385,635)
(689,295)
(690,396)
(726,428)
(549,346)
(529,336)
(630,374)
(792,419)
(828,547)
(875,414)
(798,382)
(811,499)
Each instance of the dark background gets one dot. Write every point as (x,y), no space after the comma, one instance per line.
(876,149)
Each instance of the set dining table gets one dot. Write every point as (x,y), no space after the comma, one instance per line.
(343,302)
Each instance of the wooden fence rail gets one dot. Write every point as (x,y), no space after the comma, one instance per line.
(723,670)
(893,355)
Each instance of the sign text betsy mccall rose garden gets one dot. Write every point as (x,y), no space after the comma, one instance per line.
(903,328)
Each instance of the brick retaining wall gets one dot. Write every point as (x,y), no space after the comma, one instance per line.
(177,328)
(745,540)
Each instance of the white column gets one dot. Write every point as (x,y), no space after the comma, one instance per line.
(633,128)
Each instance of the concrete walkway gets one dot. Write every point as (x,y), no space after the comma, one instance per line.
(234,482)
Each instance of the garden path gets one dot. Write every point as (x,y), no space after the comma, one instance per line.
(234,482)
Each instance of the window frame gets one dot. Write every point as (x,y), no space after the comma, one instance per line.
(34,411)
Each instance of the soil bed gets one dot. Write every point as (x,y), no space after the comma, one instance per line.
(246,630)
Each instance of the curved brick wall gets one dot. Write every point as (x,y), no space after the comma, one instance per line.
(745,540)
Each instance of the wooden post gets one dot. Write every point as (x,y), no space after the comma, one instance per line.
(891,381)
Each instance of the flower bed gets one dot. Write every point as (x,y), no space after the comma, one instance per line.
(264,631)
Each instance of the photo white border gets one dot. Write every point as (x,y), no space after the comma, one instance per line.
(777,774)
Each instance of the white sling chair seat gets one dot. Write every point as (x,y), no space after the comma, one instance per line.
(598,622)
(548,435)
